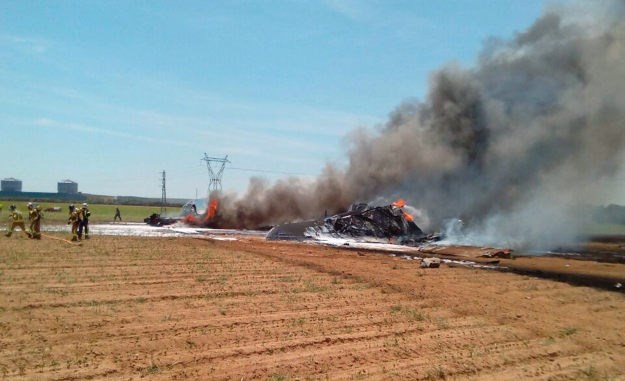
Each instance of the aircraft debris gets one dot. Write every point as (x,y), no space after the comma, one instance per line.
(388,222)
(501,253)
(430,262)
(156,219)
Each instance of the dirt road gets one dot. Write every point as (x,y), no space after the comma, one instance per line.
(182,308)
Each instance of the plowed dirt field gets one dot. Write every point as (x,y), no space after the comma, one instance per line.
(182,308)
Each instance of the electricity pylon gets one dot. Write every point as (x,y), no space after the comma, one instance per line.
(215,173)
(163,195)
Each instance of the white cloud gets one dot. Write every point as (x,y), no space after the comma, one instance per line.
(51,123)
(353,9)
(263,130)
(30,45)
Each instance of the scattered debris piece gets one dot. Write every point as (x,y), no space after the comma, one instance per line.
(295,231)
(430,262)
(500,253)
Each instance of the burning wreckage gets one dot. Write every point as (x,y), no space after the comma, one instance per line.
(189,214)
(362,220)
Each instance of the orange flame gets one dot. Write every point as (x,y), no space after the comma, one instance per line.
(209,214)
(211,211)
(399,203)
(190,219)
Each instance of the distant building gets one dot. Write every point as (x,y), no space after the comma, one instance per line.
(11,185)
(67,186)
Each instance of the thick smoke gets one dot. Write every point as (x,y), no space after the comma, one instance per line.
(513,146)
(287,200)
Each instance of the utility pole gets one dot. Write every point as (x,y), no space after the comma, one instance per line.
(215,173)
(163,195)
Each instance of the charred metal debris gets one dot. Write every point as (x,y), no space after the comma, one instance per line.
(156,219)
(362,220)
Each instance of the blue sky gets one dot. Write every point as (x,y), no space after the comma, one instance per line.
(111,93)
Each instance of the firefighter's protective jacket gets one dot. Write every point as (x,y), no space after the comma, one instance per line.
(74,217)
(34,214)
(16,216)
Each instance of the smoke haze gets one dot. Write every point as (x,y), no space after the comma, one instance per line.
(512,146)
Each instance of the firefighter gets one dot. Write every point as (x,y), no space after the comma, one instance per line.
(84,222)
(34,215)
(74,221)
(16,220)
(117,215)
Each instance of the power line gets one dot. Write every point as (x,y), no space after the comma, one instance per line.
(268,171)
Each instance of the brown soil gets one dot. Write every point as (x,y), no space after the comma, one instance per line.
(183,308)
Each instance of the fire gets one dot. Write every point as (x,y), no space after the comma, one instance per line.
(207,217)
(190,219)
(399,203)
(211,211)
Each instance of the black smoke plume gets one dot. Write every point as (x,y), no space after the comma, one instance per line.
(512,146)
